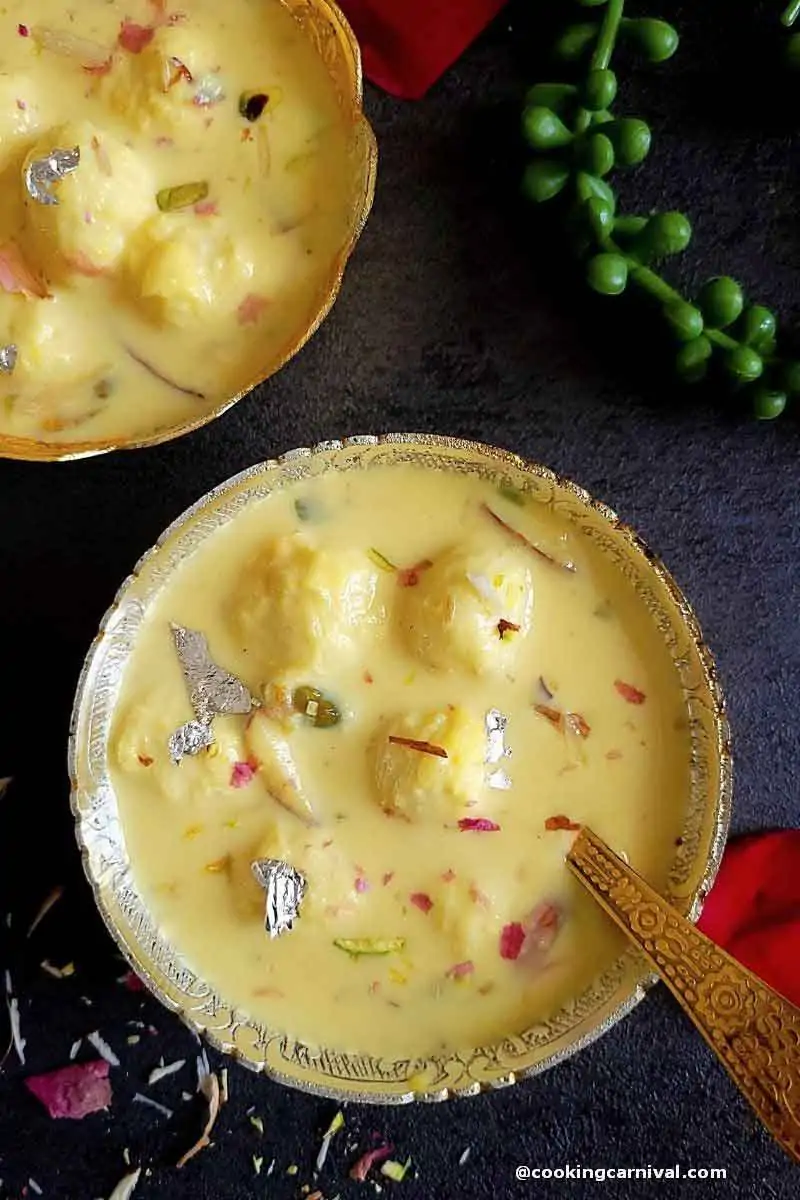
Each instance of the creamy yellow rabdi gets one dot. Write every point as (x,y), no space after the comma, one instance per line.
(198,233)
(439,911)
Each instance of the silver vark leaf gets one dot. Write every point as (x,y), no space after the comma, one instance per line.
(42,173)
(285,888)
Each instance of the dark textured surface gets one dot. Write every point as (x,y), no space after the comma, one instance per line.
(453,319)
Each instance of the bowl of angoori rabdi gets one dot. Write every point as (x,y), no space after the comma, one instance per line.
(334,740)
(181,185)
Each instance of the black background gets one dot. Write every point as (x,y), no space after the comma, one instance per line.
(459,315)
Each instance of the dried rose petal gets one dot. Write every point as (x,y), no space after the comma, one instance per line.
(422,901)
(243,773)
(409,576)
(251,308)
(134,38)
(360,1169)
(459,970)
(553,715)
(73,1092)
(560,822)
(629,692)
(504,627)
(542,925)
(361,884)
(512,939)
(206,208)
(477,825)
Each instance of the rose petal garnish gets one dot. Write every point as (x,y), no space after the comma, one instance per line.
(243,773)
(578,725)
(560,822)
(133,37)
(23,31)
(409,576)
(504,627)
(459,970)
(252,308)
(629,692)
(542,925)
(416,744)
(360,1169)
(553,715)
(477,825)
(73,1092)
(16,277)
(361,884)
(512,939)
(422,901)
(206,208)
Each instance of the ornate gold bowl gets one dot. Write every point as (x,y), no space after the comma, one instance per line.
(326,1070)
(335,42)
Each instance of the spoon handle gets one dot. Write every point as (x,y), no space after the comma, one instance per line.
(752,1030)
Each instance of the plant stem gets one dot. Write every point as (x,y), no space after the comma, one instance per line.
(790,13)
(608,34)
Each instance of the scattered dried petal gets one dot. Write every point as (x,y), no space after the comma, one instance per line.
(560,822)
(206,208)
(210,1089)
(578,725)
(422,747)
(252,308)
(504,627)
(243,772)
(361,1168)
(512,939)
(409,576)
(553,715)
(73,1092)
(422,901)
(629,692)
(460,970)
(477,825)
(23,31)
(361,884)
(133,37)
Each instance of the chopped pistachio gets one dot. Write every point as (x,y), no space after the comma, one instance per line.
(360,946)
(182,196)
(395,1170)
(311,703)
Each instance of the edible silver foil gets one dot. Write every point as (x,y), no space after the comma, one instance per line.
(285,888)
(209,91)
(495,724)
(191,738)
(212,692)
(42,173)
(8,359)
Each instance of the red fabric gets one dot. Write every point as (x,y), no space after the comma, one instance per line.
(408,44)
(753,910)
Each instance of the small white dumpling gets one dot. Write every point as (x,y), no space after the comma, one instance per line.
(155,90)
(100,204)
(184,269)
(293,602)
(467,611)
(418,784)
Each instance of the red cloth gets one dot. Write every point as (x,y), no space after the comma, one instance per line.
(753,909)
(408,44)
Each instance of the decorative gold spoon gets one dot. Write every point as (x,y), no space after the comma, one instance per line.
(752,1030)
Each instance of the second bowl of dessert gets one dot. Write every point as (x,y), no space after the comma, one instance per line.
(181,186)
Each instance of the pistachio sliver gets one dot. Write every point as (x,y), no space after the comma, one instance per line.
(311,703)
(361,946)
(182,196)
